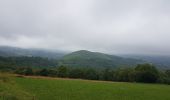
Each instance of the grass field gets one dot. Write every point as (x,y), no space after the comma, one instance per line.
(67,89)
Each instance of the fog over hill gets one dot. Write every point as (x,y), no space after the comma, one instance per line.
(7,51)
(87,58)
(84,58)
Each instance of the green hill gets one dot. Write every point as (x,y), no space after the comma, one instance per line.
(11,63)
(85,58)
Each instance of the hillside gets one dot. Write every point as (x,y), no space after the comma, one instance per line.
(6,51)
(85,58)
(162,62)
(7,63)
(18,57)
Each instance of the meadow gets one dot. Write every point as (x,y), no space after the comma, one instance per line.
(35,88)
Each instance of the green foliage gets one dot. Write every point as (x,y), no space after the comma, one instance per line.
(164,77)
(52,72)
(11,63)
(62,71)
(44,72)
(167,72)
(29,71)
(125,75)
(85,58)
(108,75)
(146,73)
(91,74)
(76,73)
(24,71)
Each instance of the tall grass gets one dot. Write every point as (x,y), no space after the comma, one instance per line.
(9,90)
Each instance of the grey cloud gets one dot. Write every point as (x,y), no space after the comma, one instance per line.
(111,26)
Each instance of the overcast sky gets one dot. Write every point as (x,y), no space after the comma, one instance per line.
(111,26)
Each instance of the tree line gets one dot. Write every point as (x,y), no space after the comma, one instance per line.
(145,73)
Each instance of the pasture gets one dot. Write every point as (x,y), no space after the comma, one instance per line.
(33,88)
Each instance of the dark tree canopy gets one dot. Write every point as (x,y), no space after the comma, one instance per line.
(146,73)
(62,71)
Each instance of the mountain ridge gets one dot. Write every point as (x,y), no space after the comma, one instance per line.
(93,58)
(7,51)
(86,58)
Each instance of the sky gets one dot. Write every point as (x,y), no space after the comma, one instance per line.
(110,26)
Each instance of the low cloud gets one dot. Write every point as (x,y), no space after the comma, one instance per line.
(111,26)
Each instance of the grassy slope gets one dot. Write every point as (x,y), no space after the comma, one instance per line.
(59,89)
(10,90)
(85,58)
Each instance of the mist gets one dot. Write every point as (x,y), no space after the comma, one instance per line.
(110,26)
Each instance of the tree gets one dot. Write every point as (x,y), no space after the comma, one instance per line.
(124,74)
(108,75)
(24,71)
(52,72)
(62,71)
(76,73)
(164,77)
(28,71)
(44,72)
(146,73)
(91,74)
(167,72)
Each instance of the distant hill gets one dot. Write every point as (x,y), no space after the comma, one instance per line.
(162,62)
(19,62)
(85,58)
(6,51)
